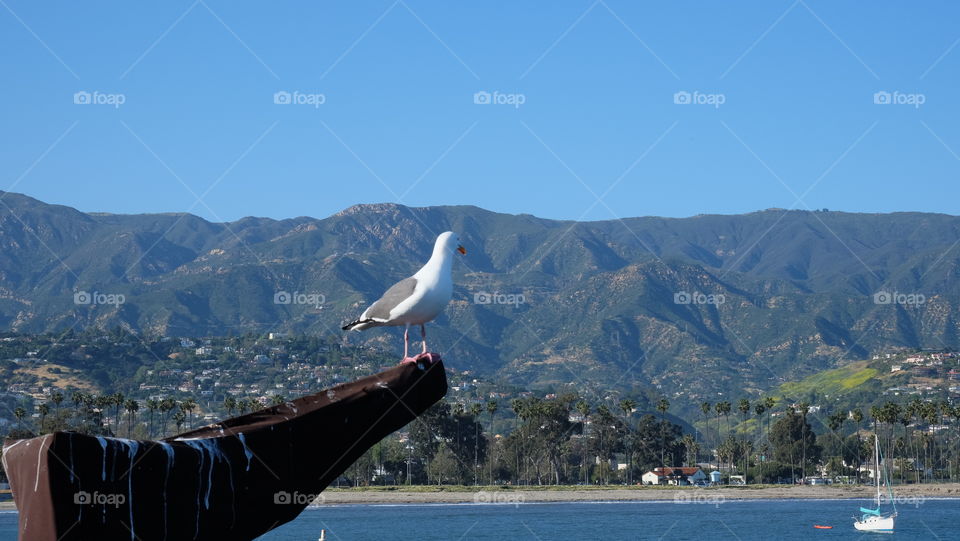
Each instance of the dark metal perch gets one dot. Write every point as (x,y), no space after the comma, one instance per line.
(236,479)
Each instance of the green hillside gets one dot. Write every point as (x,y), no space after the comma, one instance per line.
(689,307)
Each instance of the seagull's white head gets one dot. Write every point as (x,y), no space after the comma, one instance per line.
(448,242)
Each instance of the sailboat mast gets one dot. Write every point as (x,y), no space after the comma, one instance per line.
(876,445)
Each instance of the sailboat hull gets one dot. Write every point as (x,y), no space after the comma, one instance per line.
(875,524)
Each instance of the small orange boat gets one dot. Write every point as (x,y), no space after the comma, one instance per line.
(819,527)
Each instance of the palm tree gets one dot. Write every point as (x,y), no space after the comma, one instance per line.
(604,413)
(705,408)
(102,404)
(131,406)
(835,423)
(743,405)
(584,409)
(117,400)
(691,447)
(475,410)
(178,418)
(77,398)
(19,413)
(769,403)
(804,409)
(277,399)
(152,406)
(56,398)
(857,416)
(458,411)
(723,408)
(187,406)
(521,411)
(166,406)
(943,410)
(956,417)
(229,404)
(626,406)
(662,406)
(915,410)
(891,413)
(759,408)
(44,410)
(491,409)
(931,414)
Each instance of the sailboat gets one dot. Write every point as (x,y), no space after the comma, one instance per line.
(873,520)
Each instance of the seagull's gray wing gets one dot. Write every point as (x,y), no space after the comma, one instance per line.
(397,293)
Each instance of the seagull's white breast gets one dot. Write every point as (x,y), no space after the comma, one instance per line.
(432,294)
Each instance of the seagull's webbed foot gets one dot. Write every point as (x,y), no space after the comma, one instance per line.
(428,358)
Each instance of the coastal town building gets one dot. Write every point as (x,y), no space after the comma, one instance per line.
(673,476)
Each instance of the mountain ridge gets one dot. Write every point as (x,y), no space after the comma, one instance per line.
(605,303)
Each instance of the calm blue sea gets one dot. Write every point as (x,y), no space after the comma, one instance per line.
(737,520)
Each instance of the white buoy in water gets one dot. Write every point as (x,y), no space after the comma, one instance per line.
(323,535)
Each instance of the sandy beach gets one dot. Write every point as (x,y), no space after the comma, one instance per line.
(499,494)
(394,495)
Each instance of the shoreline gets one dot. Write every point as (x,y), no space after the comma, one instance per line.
(511,495)
(907,494)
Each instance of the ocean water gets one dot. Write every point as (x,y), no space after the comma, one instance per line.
(736,520)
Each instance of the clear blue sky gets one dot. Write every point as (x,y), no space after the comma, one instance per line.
(399,123)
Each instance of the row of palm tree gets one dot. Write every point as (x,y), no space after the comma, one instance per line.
(89,409)
(730,447)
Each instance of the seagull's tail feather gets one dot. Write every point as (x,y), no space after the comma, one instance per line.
(359,325)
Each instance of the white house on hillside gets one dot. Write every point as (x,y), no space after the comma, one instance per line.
(673,476)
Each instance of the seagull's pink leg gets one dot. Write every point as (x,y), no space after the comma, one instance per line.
(423,337)
(406,346)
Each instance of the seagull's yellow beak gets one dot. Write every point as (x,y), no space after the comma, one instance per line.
(461,249)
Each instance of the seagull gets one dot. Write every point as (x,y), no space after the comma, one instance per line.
(417,299)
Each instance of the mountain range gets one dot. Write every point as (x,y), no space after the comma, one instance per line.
(692,306)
